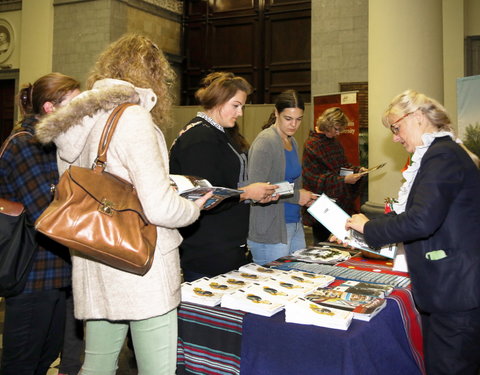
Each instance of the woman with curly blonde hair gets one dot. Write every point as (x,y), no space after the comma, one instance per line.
(132,69)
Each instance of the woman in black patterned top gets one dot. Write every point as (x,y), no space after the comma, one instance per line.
(216,243)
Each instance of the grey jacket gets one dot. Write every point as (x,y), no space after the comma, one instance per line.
(266,163)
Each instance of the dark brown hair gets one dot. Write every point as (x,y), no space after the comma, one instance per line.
(238,140)
(52,88)
(219,87)
(287,99)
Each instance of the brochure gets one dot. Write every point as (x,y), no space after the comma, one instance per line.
(192,188)
(284,188)
(372,169)
(333,217)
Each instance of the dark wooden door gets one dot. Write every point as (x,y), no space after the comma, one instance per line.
(265,41)
(287,48)
(7,101)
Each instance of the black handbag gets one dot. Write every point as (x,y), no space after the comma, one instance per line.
(17,244)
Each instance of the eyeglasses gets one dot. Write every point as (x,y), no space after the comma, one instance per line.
(396,129)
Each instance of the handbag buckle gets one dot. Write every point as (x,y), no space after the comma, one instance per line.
(106,207)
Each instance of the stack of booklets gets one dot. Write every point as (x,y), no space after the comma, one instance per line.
(268,289)
(201,292)
(304,295)
(247,277)
(307,279)
(260,299)
(323,254)
(363,307)
(256,269)
(268,295)
(292,288)
(303,311)
(209,291)
(366,289)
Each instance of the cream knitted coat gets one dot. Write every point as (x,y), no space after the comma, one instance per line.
(138,154)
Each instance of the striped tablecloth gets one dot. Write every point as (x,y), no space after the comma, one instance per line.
(215,340)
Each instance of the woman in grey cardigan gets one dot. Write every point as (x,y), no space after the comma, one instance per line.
(276,229)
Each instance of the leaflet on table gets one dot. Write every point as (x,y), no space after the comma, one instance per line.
(321,253)
(334,218)
(192,188)
(200,292)
(369,289)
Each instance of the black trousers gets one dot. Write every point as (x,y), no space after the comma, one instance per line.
(73,341)
(32,332)
(452,343)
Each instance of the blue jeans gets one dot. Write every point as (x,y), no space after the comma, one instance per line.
(264,253)
(154,341)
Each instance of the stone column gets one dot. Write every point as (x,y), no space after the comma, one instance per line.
(405,52)
(36,40)
(453,53)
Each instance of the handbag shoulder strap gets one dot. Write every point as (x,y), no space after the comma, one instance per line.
(9,207)
(107,134)
(7,141)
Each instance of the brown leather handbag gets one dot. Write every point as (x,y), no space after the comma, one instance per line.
(99,214)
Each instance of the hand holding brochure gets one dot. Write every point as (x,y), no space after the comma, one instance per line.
(347,171)
(332,217)
(192,188)
(372,169)
(284,188)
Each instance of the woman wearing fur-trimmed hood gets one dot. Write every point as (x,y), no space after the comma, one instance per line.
(137,153)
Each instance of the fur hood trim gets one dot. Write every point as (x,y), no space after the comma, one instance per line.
(87,103)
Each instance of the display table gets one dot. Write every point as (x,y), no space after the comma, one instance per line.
(215,340)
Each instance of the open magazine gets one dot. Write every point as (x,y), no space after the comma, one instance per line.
(192,188)
(332,217)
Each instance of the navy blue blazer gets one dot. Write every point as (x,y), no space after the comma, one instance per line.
(442,213)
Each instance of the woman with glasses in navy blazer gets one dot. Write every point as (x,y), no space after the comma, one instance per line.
(437,217)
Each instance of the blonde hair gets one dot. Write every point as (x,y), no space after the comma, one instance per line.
(136,59)
(410,101)
(219,87)
(330,118)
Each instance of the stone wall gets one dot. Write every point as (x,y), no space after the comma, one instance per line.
(83,28)
(339,44)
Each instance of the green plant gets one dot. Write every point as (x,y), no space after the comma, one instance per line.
(472,138)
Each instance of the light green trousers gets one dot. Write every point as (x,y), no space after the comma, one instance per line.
(154,342)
